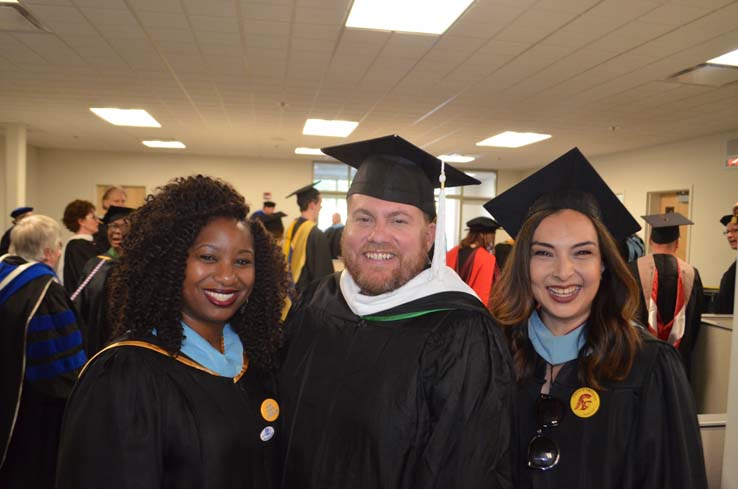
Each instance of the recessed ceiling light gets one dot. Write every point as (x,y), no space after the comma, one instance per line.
(419,16)
(308,151)
(728,59)
(127,117)
(512,139)
(456,158)
(164,144)
(321,127)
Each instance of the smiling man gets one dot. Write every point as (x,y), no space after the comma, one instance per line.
(394,376)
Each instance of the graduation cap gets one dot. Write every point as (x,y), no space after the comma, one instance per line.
(665,227)
(306,194)
(18,211)
(482,225)
(569,182)
(269,203)
(114,213)
(729,218)
(273,222)
(393,169)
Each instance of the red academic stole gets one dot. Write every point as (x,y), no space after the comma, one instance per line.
(673,331)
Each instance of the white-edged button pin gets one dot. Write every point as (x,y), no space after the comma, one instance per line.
(267,433)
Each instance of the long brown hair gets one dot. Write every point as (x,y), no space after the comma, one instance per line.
(478,238)
(611,340)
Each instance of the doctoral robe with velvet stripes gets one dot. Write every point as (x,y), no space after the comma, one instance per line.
(41,354)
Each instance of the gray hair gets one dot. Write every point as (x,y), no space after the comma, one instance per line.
(32,235)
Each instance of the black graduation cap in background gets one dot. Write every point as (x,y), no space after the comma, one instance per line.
(728,218)
(569,182)
(306,194)
(482,225)
(393,169)
(269,203)
(665,227)
(19,211)
(116,212)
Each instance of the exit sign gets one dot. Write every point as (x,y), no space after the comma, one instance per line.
(731,162)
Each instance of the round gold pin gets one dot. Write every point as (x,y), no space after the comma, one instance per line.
(585,402)
(269,410)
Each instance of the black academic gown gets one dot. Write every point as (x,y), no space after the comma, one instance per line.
(76,255)
(318,262)
(724,301)
(410,403)
(333,235)
(92,304)
(645,434)
(5,241)
(666,266)
(138,418)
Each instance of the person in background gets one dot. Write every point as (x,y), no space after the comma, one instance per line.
(305,247)
(267,209)
(273,224)
(17,214)
(599,401)
(184,398)
(79,218)
(631,248)
(472,258)
(114,195)
(333,234)
(670,288)
(91,297)
(502,251)
(726,294)
(394,377)
(40,354)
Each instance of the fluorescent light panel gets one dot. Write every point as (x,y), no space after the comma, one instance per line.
(456,158)
(321,127)
(729,59)
(164,144)
(308,151)
(512,139)
(126,117)
(421,16)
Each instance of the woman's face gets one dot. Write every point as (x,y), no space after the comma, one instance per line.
(89,223)
(565,269)
(220,274)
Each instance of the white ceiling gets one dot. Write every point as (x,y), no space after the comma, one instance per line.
(239,77)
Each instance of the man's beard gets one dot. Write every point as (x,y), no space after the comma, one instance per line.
(410,266)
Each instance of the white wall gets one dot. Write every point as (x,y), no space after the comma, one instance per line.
(64,175)
(697,165)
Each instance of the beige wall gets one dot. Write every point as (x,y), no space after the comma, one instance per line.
(64,175)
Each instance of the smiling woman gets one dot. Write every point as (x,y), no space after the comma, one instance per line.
(599,402)
(185,395)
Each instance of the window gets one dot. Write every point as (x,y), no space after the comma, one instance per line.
(462,203)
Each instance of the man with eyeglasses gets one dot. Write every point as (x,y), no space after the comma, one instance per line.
(724,301)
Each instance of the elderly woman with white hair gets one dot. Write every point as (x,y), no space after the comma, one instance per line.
(40,354)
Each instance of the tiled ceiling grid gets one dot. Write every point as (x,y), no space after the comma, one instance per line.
(239,77)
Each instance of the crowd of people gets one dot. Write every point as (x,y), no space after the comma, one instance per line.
(189,344)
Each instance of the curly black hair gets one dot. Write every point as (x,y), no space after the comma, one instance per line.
(145,289)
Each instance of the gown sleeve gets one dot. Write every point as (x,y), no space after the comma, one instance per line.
(668,442)
(111,434)
(467,381)
(319,262)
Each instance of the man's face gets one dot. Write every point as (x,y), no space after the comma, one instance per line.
(385,244)
(117,198)
(731,232)
(268,210)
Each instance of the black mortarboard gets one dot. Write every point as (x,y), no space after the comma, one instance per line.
(115,212)
(273,222)
(306,194)
(393,169)
(665,227)
(269,203)
(482,225)
(20,211)
(569,182)
(727,219)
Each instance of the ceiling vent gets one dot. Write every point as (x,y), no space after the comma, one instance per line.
(707,75)
(14,17)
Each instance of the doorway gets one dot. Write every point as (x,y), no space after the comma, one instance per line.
(670,201)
